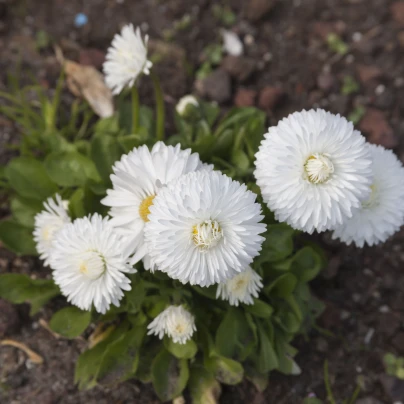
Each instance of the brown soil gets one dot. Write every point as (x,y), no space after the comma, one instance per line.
(362,289)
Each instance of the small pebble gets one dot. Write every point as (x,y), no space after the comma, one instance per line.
(345,315)
(249,39)
(267,56)
(359,369)
(384,309)
(369,336)
(144,26)
(350,59)
(380,89)
(356,297)
(356,36)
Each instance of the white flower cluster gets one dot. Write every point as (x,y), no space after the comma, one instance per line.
(317,173)
(179,216)
(170,210)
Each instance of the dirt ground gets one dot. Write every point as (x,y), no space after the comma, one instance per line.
(287,66)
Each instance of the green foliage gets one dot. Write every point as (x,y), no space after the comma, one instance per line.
(336,44)
(18,289)
(169,375)
(357,114)
(17,238)
(394,365)
(70,322)
(349,86)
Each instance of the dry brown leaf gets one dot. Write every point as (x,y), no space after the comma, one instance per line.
(88,82)
(33,356)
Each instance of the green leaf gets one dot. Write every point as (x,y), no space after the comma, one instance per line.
(285,355)
(282,286)
(312,400)
(240,159)
(278,243)
(120,360)
(70,169)
(227,334)
(105,151)
(24,210)
(107,126)
(17,288)
(203,387)
(76,204)
(181,351)
(29,178)
(70,322)
(259,309)
(17,238)
(88,363)
(260,380)
(169,375)
(267,359)
(209,292)
(227,371)
(308,264)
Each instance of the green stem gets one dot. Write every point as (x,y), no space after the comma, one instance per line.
(328,389)
(135,109)
(160,110)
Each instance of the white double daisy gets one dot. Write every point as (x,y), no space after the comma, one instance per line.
(176,322)
(88,263)
(204,228)
(314,170)
(126,59)
(137,178)
(382,214)
(48,223)
(241,289)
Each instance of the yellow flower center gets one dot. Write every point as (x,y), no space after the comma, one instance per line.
(144,208)
(206,234)
(318,168)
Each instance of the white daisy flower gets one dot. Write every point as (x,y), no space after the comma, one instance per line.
(382,214)
(184,102)
(240,289)
(48,223)
(313,169)
(137,178)
(176,322)
(126,59)
(88,263)
(204,228)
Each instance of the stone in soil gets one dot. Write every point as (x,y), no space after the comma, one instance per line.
(374,124)
(270,98)
(325,81)
(368,73)
(239,67)
(368,400)
(397,11)
(398,342)
(216,87)
(255,10)
(245,97)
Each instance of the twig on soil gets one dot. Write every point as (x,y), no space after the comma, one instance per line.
(45,325)
(33,356)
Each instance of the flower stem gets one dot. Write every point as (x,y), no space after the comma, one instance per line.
(160,110)
(135,109)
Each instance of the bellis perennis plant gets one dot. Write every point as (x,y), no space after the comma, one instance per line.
(180,267)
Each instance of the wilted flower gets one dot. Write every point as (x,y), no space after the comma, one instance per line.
(136,180)
(204,228)
(382,214)
(240,289)
(176,322)
(88,263)
(48,223)
(314,170)
(126,59)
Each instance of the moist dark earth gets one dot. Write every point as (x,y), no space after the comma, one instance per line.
(287,66)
